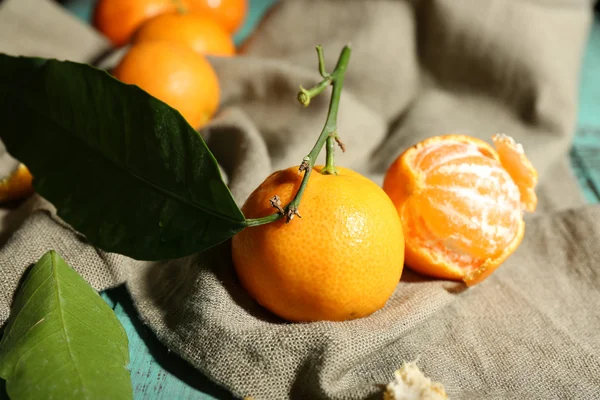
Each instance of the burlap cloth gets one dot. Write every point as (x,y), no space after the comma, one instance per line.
(418,69)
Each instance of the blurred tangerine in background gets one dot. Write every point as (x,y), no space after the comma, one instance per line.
(461,203)
(119,19)
(176,71)
(201,33)
(17,185)
(175,74)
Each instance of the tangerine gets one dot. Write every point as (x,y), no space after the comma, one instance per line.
(119,19)
(229,13)
(17,185)
(461,204)
(342,260)
(175,74)
(199,32)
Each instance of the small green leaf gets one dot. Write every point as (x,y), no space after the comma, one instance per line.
(62,341)
(121,167)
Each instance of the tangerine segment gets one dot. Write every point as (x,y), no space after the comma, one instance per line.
(460,207)
(519,167)
(341,260)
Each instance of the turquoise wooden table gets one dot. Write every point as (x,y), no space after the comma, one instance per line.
(585,154)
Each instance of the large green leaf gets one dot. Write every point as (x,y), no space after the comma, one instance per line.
(122,167)
(62,341)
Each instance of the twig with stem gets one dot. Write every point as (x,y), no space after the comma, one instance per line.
(328,135)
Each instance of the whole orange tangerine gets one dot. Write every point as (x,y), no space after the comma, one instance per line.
(199,32)
(119,19)
(342,260)
(461,203)
(229,13)
(17,185)
(175,74)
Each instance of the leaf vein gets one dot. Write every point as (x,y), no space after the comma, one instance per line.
(33,346)
(54,263)
(80,321)
(155,186)
(14,323)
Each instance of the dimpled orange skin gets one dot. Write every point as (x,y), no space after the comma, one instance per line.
(119,19)
(199,32)
(175,74)
(342,260)
(406,185)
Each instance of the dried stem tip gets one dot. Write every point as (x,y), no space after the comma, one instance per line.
(276,203)
(291,212)
(340,143)
(304,166)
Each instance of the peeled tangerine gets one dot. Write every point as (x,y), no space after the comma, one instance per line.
(461,203)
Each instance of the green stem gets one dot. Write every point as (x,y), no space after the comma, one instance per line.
(329,157)
(321,57)
(265,220)
(305,95)
(328,134)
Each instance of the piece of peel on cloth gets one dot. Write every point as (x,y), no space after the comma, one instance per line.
(411,384)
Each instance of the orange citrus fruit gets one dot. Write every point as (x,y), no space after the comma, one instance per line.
(229,13)
(461,203)
(197,31)
(341,260)
(119,19)
(175,74)
(17,185)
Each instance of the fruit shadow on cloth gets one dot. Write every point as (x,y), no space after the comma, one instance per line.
(171,284)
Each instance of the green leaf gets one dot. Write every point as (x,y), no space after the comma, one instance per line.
(62,341)
(121,167)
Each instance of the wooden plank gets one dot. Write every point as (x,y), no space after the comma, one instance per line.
(589,88)
(585,155)
(585,159)
(157,372)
